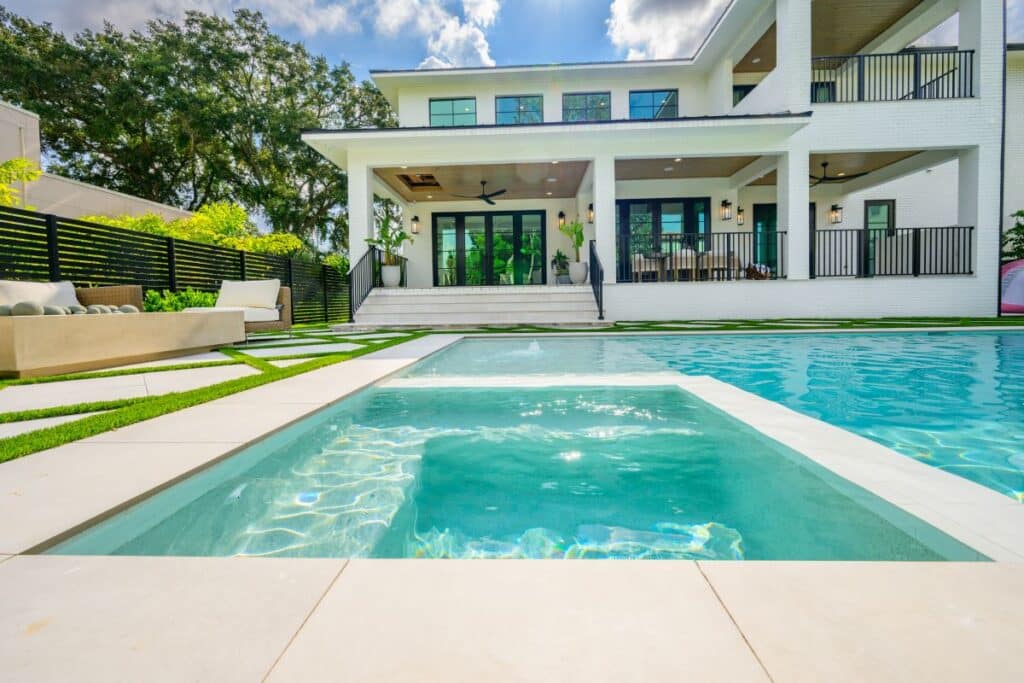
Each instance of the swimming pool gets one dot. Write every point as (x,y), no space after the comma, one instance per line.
(587,472)
(951,400)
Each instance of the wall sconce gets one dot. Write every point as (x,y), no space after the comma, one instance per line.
(740,219)
(561,218)
(835,214)
(725,212)
(415,225)
(590,213)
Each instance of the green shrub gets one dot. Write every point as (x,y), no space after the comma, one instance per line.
(1013,239)
(168,301)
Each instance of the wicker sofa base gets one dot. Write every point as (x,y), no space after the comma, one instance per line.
(36,346)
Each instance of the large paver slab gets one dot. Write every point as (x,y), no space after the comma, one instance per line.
(517,620)
(50,394)
(47,493)
(842,621)
(153,619)
(9,429)
(204,357)
(305,349)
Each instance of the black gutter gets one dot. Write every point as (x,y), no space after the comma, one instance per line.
(549,124)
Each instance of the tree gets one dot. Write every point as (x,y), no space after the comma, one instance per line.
(1013,239)
(191,114)
(13,171)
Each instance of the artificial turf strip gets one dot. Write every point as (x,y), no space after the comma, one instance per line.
(115,373)
(144,409)
(251,361)
(60,411)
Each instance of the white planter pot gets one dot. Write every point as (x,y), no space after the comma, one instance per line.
(391,276)
(578,272)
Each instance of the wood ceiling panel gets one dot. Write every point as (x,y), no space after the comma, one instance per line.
(688,167)
(847,164)
(840,27)
(522,181)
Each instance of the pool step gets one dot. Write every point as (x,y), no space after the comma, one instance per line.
(479,306)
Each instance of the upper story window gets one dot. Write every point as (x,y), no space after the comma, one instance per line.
(459,111)
(587,106)
(510,110)
(741,91)
(653,104)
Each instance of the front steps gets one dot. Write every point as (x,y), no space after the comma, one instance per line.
(512,305)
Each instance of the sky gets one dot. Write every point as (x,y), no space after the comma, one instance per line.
(403,34)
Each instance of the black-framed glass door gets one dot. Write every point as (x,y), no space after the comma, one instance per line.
(649,231)
(475,248)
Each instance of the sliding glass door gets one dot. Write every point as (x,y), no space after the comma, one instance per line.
(489,248)
(657,235)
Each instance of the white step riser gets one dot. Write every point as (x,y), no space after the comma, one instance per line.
(441,300)
(510,307)
(475,319)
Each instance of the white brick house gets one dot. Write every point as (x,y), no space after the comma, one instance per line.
(698,179)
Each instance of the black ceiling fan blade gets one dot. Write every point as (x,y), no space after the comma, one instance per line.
(496,194)
(854,175)
(488,200)
(467,196)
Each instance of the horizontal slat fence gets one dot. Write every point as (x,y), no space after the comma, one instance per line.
(35,246)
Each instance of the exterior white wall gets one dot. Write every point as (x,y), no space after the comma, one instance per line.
(1013,179)
(19,137)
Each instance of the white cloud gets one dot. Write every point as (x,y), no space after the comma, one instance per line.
(458,44)
(309,17)
(661,29)
(483,13)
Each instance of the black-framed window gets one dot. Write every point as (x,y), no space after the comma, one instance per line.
(739,92)
(880,214)
(823,91)
(653,104)
(473,248)
(649,230)
(586,106)
(453,111)
(512,110)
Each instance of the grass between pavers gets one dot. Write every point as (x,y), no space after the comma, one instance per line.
(138,410)
(61,411)
(251,361)
(116,373)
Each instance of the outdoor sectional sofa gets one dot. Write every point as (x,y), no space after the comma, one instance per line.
(38,345)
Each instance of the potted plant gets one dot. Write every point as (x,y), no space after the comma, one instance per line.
(390,238)
(577,269)
(560,267)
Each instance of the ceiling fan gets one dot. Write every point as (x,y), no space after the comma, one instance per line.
(484,194)
(826,178)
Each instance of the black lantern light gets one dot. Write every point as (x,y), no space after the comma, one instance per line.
(725,211)
(590,213)
(415,225)
(740,219)
(835,214)
(561,218)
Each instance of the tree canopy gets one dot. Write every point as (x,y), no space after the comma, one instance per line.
(191,114)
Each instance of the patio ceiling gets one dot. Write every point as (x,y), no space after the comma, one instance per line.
(847,164)
(522,181)
(680,167)
(840,27)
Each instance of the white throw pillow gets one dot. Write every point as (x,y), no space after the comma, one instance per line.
(249,294)
(44,293)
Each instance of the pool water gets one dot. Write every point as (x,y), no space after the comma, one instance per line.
(951,400)
(605,472)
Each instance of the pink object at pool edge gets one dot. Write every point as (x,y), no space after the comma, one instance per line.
(1012,276)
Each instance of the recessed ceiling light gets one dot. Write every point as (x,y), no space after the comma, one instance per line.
(548,193)
(405,167)
(840,174)
(554,162)
(552,180)
(669,168)
(678,159)
(430,196)
(755,60)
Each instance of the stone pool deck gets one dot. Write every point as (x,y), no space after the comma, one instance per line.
(247,619)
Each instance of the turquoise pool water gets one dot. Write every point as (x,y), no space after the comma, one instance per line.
(602,472)
(951,400)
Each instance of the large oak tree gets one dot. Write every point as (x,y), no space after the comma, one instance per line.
(187,114)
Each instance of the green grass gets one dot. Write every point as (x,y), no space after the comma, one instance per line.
(113,373)
(144,409)
(61,411)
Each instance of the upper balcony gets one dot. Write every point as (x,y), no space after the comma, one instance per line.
(912,74)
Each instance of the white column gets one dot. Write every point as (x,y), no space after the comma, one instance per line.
(360,209)
(793,211)
(720,88)
(604,213)
(793,52)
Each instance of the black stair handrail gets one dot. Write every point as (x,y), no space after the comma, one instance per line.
(363,277)
(597,279)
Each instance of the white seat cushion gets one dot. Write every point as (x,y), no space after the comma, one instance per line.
(43,293)
(248,294)
(250,314)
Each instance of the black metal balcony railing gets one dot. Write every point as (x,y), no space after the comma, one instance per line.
(902,251)
(597,279)
(715,256)
(910,75)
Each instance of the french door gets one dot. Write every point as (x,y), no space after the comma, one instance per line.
(489,248)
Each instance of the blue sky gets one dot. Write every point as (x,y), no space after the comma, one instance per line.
(394,34)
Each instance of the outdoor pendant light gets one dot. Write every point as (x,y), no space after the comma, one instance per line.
(739,216)
(415,225)
(561,218)
(590,213)
(725,212)
(835,214)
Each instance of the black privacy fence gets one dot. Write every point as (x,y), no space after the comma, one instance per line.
(41,247)
(897,251)
(911,75)
(645,256)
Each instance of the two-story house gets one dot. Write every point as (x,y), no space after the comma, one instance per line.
(710,187)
